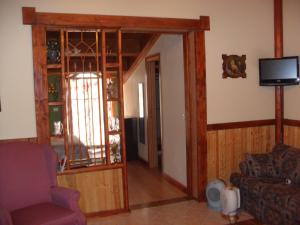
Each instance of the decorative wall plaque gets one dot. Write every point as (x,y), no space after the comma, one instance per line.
(234,66)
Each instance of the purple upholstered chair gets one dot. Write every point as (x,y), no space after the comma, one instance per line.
(28,190)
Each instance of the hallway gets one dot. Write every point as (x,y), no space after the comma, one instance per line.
(147,187)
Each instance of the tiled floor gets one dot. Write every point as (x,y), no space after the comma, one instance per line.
(147,185)
(182,213)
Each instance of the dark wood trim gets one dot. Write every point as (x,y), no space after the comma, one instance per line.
(278,50)
(187,53)
(174,182)
(151,119)
(278,28)
(40,84)
(141,56)
(153,57)
(294,123)
(159,203)
(124,169)
(201,113)
(31,140)
(279,114)
(134,23)
(107,213)
(28,14)
(241,124)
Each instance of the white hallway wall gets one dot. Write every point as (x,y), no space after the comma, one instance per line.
(237,27)
(170,48)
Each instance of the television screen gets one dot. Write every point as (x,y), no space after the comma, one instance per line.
(279,71)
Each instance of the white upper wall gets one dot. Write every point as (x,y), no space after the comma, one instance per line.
(170,48)
(291,38)
(237,27)
(241,28)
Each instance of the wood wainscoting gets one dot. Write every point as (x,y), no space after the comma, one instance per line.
(292,132)
(228,143)
(100,191)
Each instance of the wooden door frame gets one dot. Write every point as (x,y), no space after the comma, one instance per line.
(152,154)
(187,27)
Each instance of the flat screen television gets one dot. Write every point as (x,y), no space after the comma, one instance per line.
(279,71)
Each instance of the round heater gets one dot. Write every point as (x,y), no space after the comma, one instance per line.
(213,194)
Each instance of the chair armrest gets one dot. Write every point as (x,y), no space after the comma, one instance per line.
(68,198)
(5,218)
(65,197)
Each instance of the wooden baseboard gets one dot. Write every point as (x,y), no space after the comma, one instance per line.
(174,182)
(31,140)
(107,213)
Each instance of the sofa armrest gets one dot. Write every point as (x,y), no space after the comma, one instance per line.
(235,179)
(244,168)
(5,218)
(65,197)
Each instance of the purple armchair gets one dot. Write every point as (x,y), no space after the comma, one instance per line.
(28,190)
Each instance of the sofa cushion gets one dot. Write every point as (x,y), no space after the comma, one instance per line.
(253,187)
(278,196)
(260,165)
(291,212)
(287,163)
(43,214)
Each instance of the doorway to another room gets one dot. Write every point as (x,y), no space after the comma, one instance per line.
(158,174)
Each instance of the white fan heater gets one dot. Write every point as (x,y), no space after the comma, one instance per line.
(230,201)
(222,198)
(213,194)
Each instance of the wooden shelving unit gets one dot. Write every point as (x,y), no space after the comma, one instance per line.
(83,62)
(54,66)
(56,91)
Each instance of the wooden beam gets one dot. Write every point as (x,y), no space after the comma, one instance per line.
(28,14)
(40,84)
(201,113)
(279,91)
(140,57)
(278,28)
(124,22)
(205,22)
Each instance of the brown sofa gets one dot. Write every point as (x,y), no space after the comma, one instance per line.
(270,185)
